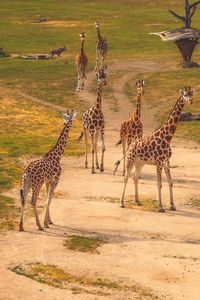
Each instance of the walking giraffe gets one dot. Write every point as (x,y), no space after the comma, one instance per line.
(81,61)
(132,128)
(45,170)
(156,150)
(93,123)
(101,48)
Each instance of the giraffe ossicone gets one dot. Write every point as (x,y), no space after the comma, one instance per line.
(45,170)
(156,150)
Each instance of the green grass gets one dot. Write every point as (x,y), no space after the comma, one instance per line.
(32,130)
(59,278)
(83,244)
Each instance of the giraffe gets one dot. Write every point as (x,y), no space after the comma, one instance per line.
(156,150)
(45,170)
(101,48)
(132,128)
(93,123)
(81,61)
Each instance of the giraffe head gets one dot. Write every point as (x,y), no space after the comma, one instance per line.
(187,94)
(82,36)
(97,24)
(101,75)
(140,85)
(69,116)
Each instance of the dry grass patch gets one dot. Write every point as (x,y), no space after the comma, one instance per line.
(58,278)
(83,244)
(148,202)
(8,213)
(195,202)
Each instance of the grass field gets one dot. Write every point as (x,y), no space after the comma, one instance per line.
(126,25)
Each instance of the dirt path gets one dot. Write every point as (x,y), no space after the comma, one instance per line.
(159,251)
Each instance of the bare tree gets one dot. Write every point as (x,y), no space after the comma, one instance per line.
(189,12)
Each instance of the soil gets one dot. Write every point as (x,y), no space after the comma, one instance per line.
(160,251)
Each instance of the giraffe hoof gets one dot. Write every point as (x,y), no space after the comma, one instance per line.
(97,167)
(173,208)
(41,229)
(161,210)
(21,229)
(93,172)
(122,206)
(102,170)
(50,222)
(139,203)
(46,226)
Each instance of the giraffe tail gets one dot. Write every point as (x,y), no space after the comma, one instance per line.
(116,167)
(118,143)
(80,137)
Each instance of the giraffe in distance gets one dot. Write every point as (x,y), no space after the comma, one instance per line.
(81,61)
(93,123)
(132,128)
(101,48)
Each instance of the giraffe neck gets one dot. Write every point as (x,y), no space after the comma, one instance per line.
(169,128)
(58,150)
(99,92)
(82,47)
(99,35)
(137,112)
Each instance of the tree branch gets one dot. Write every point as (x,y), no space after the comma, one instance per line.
(175,15)
(194,4)
(192,13)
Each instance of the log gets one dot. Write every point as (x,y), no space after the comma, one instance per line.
(188,116)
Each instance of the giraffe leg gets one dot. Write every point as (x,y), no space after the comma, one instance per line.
(124,151)
(103,151)
(24,194)
(47,205)
(128,172)
(79,79)
(167,172)
(86,149)
(102,62)
(159,182)
(82,81)
(138,169)
(96,156)
(35,193)
(78,84)
(50,189)
(93,147)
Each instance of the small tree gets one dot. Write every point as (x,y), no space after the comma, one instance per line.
(189,12)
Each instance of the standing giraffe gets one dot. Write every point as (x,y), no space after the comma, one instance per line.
(132,128)
(45,170)
(93,122)
(156,150)
(101,48)
(81,61)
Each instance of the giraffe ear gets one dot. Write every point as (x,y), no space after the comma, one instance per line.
(74,115)
(181,92)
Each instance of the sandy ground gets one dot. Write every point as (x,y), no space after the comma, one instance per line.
(160,251)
